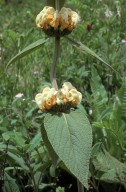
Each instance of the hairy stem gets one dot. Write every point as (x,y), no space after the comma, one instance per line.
(55,61)
(56,55)
(57,5)
(80,186)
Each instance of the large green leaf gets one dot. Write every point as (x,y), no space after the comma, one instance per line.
(71,137)
(27,50)
(9,184)
(47,143)
(116,175)
(113,171)
(100,97)
(85,49)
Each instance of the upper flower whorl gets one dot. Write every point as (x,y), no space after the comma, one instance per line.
(52,22)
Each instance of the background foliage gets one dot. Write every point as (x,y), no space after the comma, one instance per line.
(25,164)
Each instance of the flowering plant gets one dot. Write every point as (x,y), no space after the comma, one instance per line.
(66,126)
(62,117)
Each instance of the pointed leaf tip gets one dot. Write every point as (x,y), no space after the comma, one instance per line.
(27,50)
(84,48)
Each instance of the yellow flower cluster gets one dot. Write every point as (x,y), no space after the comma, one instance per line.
(65,19)
(66,96)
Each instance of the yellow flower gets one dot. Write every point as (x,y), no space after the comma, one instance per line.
(66,87)
(66,96)
(45,17)
(50,19)
(47,99)
(75,97)
(68,18)
(55,21)
(64,18)
(74,20)
(70,94)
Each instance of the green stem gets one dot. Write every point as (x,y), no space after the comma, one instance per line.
(55,61)
(56,55)
(80,186)
(57,5)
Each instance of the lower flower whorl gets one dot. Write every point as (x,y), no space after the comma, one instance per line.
(65,98)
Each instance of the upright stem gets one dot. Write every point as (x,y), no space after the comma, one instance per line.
(53,75)
(80,186)
(56,55)
(55,61)
(57,5)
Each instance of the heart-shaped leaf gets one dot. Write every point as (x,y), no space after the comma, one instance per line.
(71,137)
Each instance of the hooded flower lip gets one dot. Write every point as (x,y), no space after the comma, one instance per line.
(70,94)
(66,97)
(62,22)
(47,99)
